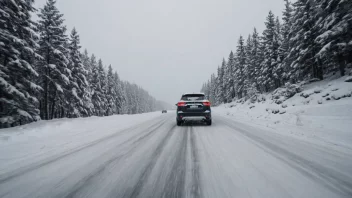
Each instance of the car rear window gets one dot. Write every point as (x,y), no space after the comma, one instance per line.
(190,97)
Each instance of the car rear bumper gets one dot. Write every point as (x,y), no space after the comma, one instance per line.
(194,115)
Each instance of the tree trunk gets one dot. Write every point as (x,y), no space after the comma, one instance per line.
(41,108)
(53,107)
(46,97)
(340,60)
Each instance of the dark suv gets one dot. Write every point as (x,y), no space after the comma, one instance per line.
(193,107)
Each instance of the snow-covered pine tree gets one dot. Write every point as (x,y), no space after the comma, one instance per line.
(127,90)
(18,90)
(335,35)
(218,88)
(224,80)
(79,86)
(103,85)
(132,102)
(240,66)
(120,95)
(203,89)
(230,85)
(111,95)
(124,107)
(270,46)
(303,47)
(96,87)
(213,86)
(86,63)
(53,69)
(87,66)
(220,95)
(314,39)
(278,69)
(284,47)
(257,58)
(138,94)
(249,67)
(206,89)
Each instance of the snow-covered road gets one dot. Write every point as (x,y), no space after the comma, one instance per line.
(158,159)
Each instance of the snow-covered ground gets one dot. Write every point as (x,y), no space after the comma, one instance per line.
(245,153)
(35,141)
(322,112)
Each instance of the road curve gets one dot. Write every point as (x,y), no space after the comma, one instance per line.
(159,159)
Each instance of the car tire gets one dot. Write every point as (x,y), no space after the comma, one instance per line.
(209,122)
(178,123)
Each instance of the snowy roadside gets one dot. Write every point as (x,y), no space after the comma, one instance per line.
(321,113)
(25,143)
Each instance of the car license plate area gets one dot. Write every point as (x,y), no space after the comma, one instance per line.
(193,107)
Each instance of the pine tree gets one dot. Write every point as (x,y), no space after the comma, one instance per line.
(249,67)
(257,58)
(120,95)
(240,66)
(302,43)
(218,93)
(96,87)
(270,46)
(53,67)
(213,85)
(335,35)
(103,87)
(111,95)
(284,47)
(230,92)
(18,90)
(88,68)
(278,69)
(224,80)
(79,86)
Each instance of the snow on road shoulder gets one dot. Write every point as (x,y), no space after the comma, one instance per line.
(46,138)
(321,112)
(68,127)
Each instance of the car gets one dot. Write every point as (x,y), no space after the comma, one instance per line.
(193,107)
(164,111)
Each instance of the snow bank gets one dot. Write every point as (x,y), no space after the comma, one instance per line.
(321,111)
(46,138)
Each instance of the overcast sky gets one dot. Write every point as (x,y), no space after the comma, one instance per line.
(168,47)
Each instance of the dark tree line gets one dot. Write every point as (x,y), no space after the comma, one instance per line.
(44,75)
(314,38)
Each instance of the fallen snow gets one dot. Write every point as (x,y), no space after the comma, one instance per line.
(149,156)
(41,139)
(322,112)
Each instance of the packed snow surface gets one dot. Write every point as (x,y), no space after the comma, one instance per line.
(321,112)
(247,152)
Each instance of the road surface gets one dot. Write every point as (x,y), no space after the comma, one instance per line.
(159,159)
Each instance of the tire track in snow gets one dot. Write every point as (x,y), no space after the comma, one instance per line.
(196,186)
(323,175)
(36,165)
(175,186)
(134,145)
(136,190)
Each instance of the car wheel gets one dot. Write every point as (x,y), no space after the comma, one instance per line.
(209,122)
(178,123)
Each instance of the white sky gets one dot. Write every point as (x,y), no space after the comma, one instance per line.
(168,47)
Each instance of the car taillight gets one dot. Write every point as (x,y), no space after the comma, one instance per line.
(181,104)
(207,104)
